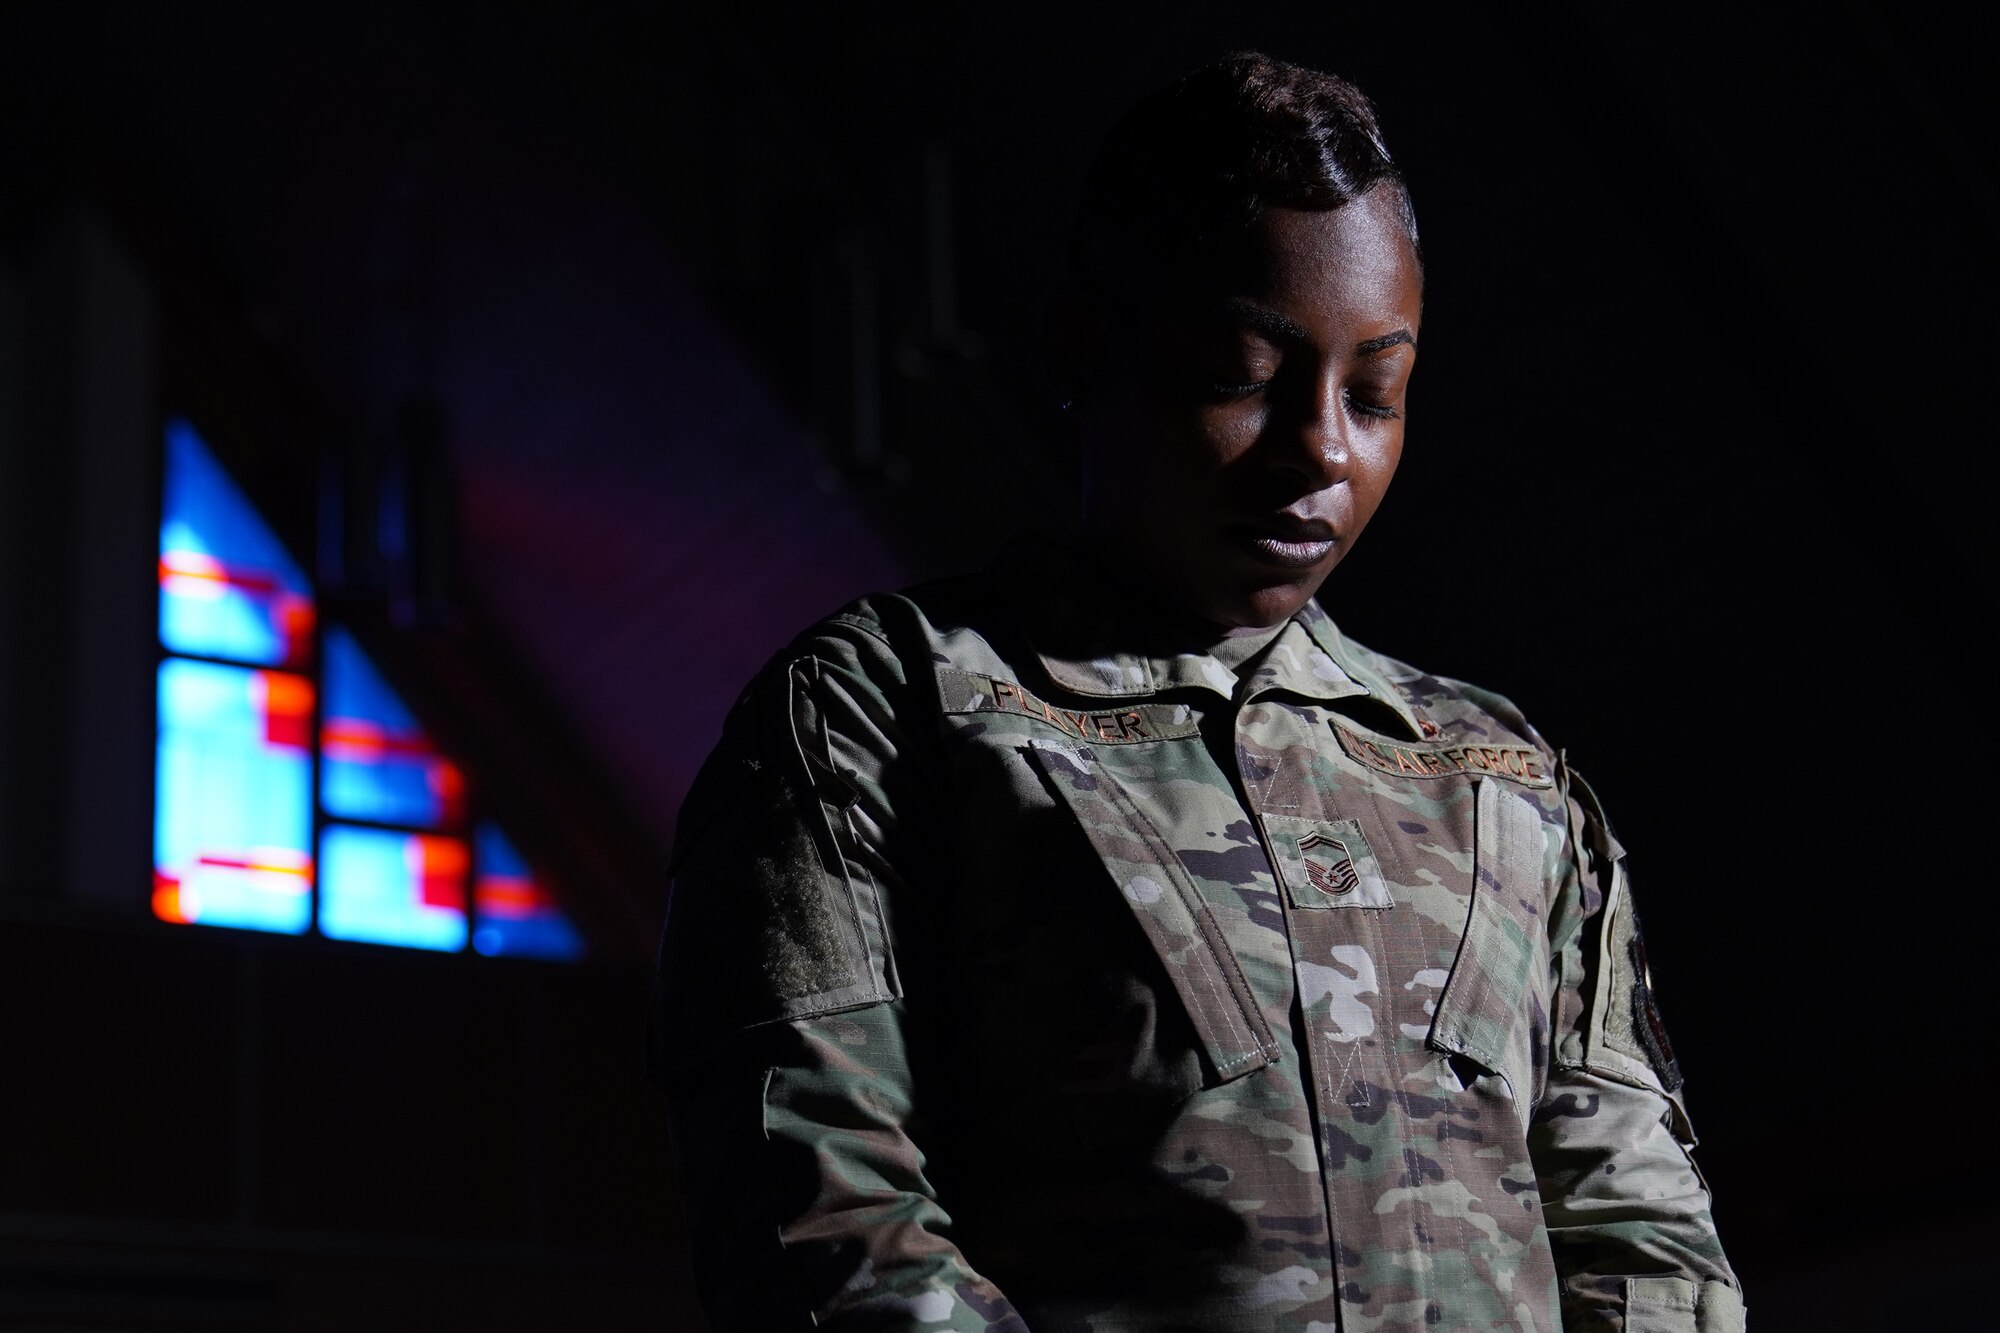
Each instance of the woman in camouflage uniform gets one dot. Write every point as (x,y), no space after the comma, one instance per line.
(1103,941)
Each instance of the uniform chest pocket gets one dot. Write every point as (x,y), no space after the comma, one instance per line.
(1491,1011)
(1168,907)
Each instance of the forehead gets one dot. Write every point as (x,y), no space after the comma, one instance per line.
(1352,261)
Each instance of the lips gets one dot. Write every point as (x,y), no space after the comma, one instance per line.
(1285,541)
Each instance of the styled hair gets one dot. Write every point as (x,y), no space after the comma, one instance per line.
(1199,160)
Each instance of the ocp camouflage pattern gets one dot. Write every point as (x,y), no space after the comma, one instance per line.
(1015,983)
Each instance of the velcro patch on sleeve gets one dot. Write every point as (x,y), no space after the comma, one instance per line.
(1121,724)
(764,921)
(1420,759)
(1632,1023)
(756,920)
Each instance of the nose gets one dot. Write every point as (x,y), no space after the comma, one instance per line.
(1313,446)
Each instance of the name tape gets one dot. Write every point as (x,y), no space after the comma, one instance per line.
(1124,724)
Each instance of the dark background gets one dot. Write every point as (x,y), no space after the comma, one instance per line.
(703,322)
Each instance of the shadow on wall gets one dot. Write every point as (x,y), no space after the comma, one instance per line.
(640,516)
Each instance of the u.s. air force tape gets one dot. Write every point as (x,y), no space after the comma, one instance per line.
(1417,759)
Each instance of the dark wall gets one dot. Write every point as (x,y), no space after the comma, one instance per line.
(212,1130)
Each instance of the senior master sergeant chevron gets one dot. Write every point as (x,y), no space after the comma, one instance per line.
(1103,942)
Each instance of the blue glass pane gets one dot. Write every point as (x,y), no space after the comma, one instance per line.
(376,762)
(232,832)
(386,887)
(516,915)
(228,588)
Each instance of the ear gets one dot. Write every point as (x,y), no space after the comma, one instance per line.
(1075,346)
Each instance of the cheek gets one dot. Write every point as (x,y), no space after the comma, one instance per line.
(1377,462)
(1200,442)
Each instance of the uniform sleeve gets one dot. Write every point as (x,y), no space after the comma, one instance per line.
(780,1031)
(1627,1211)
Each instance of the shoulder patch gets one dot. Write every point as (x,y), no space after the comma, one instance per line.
(768,917)
(964,692)
(1646,1020)
(1431,759)
(1632,1018)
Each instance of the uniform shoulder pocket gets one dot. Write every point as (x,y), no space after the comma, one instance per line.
(1484,1011)
(771,915)
(1623,1034)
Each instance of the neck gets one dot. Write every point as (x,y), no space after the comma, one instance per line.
(1127,607)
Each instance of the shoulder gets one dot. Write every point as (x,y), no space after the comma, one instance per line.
(1458,709)
(865,677)
(899,640)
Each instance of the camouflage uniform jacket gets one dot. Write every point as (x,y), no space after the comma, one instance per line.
(1012,984)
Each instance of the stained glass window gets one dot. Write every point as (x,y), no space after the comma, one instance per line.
(228,588)
(232,836)
(244,667)
(386,886)
(516,915)
(376,763)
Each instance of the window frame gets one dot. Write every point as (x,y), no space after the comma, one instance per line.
(463,826)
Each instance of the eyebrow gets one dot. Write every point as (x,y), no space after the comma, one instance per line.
(1274,325)
(1400,338)
(1265,320)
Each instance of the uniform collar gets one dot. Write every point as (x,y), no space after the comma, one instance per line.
(1084,638)
(1315,643)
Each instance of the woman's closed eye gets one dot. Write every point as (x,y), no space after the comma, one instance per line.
(1365,404)
(1366,401)
(1236,389)
(1233,364)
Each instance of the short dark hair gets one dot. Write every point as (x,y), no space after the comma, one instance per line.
(1204,156)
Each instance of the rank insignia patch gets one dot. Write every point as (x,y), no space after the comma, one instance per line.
(1325,863)
(1328,865)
